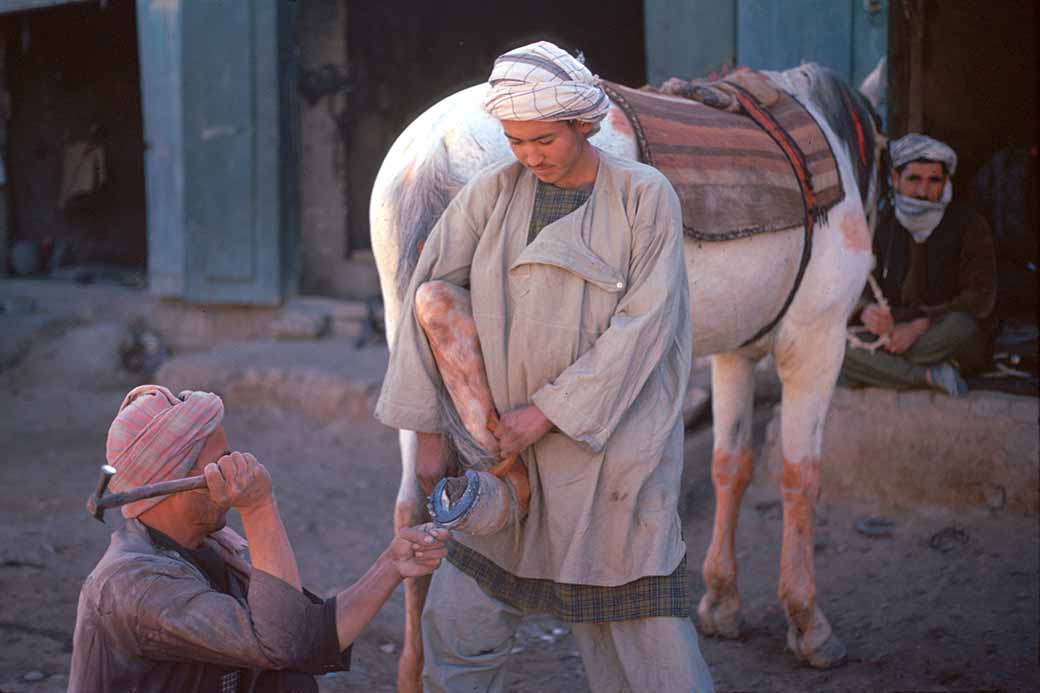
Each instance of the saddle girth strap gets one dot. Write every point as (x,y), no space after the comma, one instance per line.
(796,158)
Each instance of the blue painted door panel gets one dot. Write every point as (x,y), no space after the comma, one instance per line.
(848,36)
(691,38)
(159,54)
(218,169)
(775,35)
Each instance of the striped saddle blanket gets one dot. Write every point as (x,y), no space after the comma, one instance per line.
(733,177)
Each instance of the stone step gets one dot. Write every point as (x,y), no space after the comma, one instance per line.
(323,379)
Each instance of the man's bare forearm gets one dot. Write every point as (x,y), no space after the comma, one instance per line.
(357,605)
(269,548)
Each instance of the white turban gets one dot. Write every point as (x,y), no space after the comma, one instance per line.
(543,82)
(916,146)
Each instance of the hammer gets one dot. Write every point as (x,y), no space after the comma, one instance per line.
(98,502)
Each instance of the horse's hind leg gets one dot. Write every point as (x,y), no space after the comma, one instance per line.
(445,314)
(733,387)
(808,367)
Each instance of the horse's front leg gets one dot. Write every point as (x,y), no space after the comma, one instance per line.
(731,467)
(410,510)
(808,367)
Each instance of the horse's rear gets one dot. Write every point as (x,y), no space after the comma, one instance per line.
(736,287)
(808,346)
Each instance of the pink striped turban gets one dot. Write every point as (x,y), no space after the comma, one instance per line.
(157,436)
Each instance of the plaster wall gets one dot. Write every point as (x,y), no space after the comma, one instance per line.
(327,267)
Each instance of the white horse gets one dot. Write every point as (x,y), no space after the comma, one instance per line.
(736,288)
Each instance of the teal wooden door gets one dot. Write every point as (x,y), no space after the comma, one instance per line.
(848,36)
(217,82)
(691,38)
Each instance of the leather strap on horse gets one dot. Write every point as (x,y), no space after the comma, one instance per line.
(645,154)
(795,157)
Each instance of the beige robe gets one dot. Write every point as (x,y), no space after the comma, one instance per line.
(591,323)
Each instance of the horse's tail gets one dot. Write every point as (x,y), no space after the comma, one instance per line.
(422,192)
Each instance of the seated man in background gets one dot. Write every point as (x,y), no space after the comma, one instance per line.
(936,266)
(174,605)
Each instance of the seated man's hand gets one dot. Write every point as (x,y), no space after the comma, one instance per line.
(238,481)
(519,429)
(417,551)
(877,319)
(905,334)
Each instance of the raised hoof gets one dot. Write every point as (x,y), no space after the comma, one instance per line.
(827,656)
(719,619)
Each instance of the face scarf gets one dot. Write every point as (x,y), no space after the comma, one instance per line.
(920,217)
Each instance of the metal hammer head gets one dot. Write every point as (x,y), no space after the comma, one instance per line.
(93,502)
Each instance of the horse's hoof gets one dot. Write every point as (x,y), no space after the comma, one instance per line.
(719,619)
(827,656)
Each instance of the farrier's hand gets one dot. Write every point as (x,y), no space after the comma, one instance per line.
(519,429)
(238,481)
(417,551)
(877,319)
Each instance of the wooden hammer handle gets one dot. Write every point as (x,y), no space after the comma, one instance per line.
(162,488)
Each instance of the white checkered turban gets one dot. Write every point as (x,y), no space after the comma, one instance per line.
(541,81)
(916,146)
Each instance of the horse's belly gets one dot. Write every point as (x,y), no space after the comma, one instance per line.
(737,287)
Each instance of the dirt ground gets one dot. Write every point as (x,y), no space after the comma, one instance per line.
(949,602)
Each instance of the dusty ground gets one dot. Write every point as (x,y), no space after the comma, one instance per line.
(951,616)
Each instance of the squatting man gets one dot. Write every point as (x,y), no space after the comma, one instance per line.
(174,604)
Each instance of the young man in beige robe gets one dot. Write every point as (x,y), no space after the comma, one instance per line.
(574,264)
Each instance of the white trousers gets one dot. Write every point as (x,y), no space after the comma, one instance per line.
(468,635)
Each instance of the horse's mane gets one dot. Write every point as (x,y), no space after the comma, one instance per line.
(851,117)
(423,193)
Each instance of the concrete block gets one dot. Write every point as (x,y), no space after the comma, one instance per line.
(299,325)
(348,329)
(914,400)
(845,398)
(325,379)
(960,406)
(987,404)
(880,398)
(336,309)
(929,449)
(1022,443)
(1026,410)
